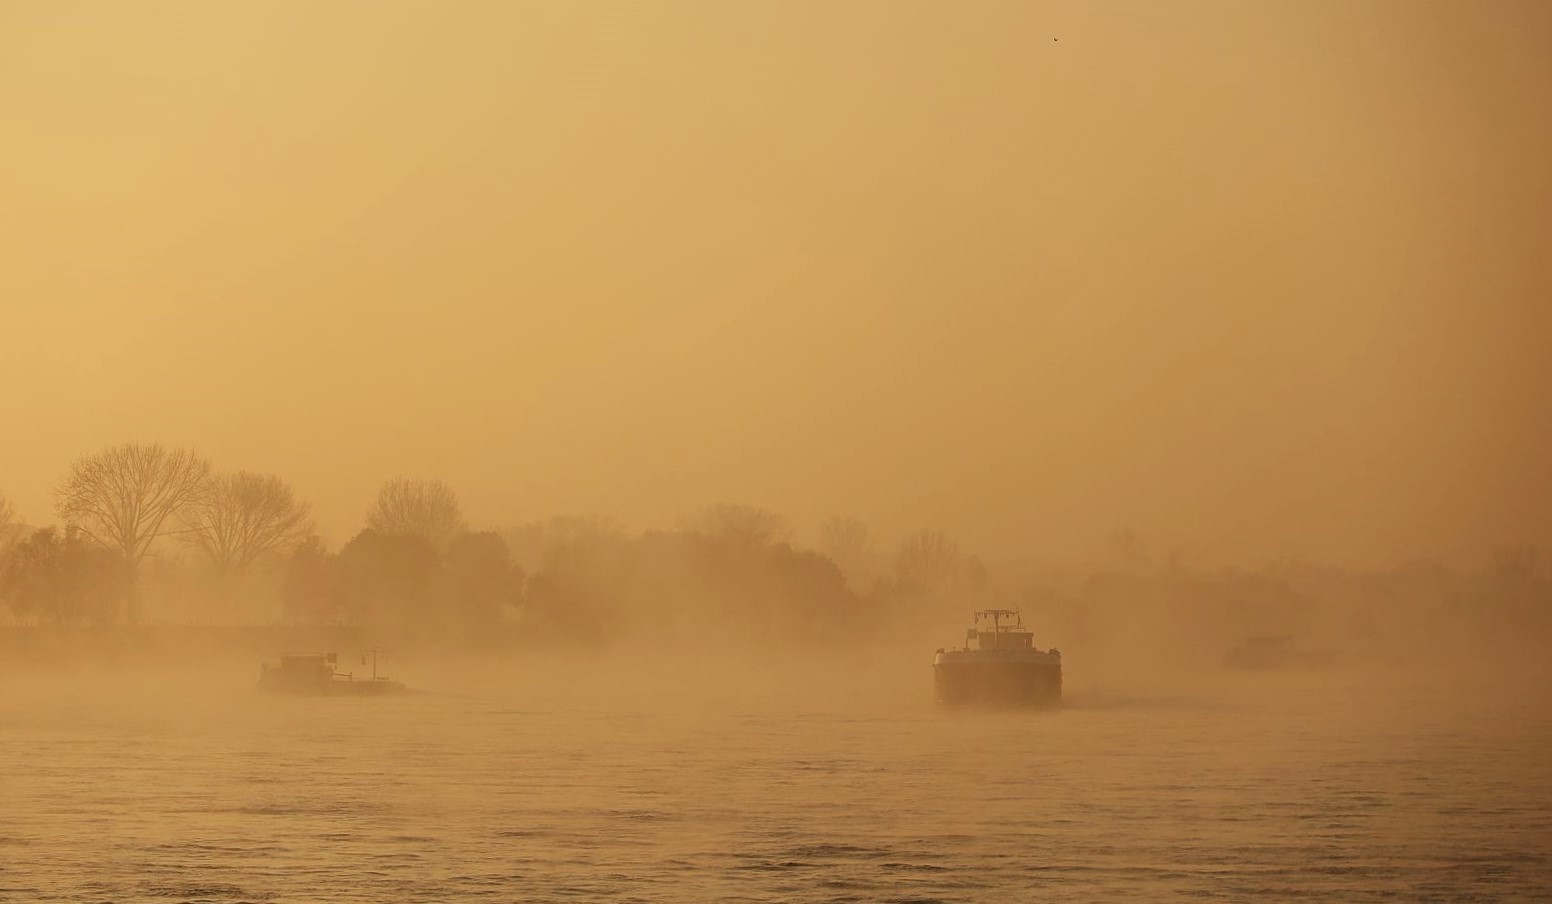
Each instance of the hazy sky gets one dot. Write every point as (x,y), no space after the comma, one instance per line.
(1258,279)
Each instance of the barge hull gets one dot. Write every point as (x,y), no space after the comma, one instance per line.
(1008,683)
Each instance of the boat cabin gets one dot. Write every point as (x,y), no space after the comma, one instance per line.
(301,668)
(999,635)
(313,673)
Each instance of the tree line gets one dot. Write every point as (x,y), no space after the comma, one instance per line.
(143,524)
(147,533)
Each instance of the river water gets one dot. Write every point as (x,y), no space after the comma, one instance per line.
(626,785)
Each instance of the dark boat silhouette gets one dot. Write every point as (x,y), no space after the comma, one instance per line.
(315,673)
(1003,666)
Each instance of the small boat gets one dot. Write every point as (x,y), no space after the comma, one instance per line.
(315,673)
(1002,667)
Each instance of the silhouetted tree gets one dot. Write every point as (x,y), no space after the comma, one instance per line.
(310,590)
(585,567)
(125,497)
(576,544)
(419,508)
(388,577)
(61,578)
(849,544)
(927,562)
(480,578)
(11,529)
(664,588)
(808,594)
(245,516)
(751,580)
(739,525)
(844,538)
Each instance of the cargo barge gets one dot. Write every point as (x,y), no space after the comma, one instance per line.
(315,673)
(998,664)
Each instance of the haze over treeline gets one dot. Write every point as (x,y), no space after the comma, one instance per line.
(152,535)
(1263,281)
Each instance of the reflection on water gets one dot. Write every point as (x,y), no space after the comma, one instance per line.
(523,786)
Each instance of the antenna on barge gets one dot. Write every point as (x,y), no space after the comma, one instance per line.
(373,652)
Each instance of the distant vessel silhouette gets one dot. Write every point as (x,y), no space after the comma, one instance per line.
(315,673)
(1003,666)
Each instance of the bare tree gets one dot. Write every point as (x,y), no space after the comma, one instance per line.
(564,542)
(848,543)
(245,516)
(927,561)
(845,539)
(744,525)
(9,526)
(125,497)
(419,508)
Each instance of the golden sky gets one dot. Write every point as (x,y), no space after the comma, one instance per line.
(1259,280)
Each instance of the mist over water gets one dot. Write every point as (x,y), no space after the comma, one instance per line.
(653,775)
(657,387)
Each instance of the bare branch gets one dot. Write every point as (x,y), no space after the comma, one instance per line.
(420,508)
(9,526)
(244,517)
(927,561)
(845,539)
(123,496)
(745,525)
